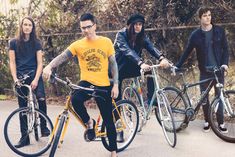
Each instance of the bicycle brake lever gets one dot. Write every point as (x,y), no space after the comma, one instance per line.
(142,74)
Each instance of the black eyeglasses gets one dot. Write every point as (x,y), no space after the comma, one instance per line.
(87,27)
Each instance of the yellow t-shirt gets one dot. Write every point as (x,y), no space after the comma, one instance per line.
(93,59)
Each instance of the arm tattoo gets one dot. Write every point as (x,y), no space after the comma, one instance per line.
(61,58)
(114,68)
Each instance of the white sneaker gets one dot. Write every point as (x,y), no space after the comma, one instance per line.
(223,129)
(206,127)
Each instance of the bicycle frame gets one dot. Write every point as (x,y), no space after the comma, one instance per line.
(203,95)
(32,105)
(136,85)
(69,108)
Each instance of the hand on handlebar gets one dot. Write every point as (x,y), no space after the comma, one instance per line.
(165,63)
(145,67)
(47,72)
(17,83)
(224,67)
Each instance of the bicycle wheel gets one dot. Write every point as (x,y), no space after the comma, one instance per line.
(167,120)
(178,106)
(126,126)
(228,116)
(131,94)
(12,132)
(59,130)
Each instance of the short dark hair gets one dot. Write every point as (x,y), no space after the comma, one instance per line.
(203,10)
(88,16)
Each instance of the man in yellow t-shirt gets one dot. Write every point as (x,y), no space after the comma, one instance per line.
(95,55)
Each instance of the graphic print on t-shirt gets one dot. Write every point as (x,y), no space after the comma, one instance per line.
(93,63)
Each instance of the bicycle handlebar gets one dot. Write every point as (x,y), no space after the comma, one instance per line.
(152,67)
(69,83)
(20,82)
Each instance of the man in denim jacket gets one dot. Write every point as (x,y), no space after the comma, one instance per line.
(211,47)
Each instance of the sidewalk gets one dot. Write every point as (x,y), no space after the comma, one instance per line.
(192,142)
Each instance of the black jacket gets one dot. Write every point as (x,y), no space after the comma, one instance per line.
(197,41)
(127,57)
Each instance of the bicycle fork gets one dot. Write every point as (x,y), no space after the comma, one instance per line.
(226,104)
(66,115)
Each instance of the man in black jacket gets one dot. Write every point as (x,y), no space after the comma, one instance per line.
(211,47)
(129,43)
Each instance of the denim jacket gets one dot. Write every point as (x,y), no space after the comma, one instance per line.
(197,41)
(126,56)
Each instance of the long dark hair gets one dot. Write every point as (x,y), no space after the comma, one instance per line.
(21,36)
(133,38)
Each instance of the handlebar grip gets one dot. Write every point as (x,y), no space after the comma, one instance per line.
(52,78)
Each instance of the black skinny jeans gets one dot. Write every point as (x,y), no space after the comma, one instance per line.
(105,107)
(40,95)
(206,103)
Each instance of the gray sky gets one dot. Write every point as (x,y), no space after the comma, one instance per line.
(5,5)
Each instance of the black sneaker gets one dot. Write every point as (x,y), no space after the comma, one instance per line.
(45,132)
(223,129)
(206,127)
(24,141)
(91,132)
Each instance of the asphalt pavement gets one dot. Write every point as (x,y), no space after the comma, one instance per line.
(192,142)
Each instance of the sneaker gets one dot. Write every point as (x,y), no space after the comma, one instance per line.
(206,127)
(120,134)
(120,137)
(24,141)
(91,132)
(45,132)
(223,129)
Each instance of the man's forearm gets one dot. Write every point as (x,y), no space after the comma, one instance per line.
(60,59)
(114,69)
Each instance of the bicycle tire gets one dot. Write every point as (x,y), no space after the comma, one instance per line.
(167,120)
(178,105)
(229,121)
(57,136)
(127,110)
(36,127)
(130,93)
(11,127)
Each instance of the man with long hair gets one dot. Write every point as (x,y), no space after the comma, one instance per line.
(25,54)
(129,43)
(211,47)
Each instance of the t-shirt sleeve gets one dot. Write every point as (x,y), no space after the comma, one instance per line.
(38,46)
(72,48)
(111,48)
(12,44)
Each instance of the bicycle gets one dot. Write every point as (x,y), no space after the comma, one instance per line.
(159,103)
(222,105)
(30,116)
(125,117)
